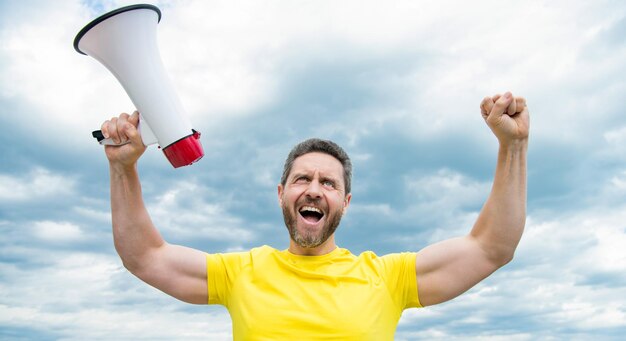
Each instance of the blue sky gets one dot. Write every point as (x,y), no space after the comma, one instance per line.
(397,84)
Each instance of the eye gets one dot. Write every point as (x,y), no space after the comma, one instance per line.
(328,183)
(302,180)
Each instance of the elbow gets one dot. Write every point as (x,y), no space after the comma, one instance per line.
(129,261)
(503,257)
(137,269)
(498,255)
(499,252)
(131,266)
(140,264)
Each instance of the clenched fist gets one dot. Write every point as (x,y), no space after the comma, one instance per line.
(123,131)
(507,117)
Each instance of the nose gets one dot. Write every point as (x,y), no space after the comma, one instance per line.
(314,190)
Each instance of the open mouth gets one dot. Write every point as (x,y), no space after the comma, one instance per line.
(311,214)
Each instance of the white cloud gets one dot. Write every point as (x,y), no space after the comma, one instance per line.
(82,295)
(38,183)
(443,197)
(567,272)
(99,323)
(52,81)
(384,210)
(590,315)
(619,181)
(95,214)
(227,61)
(588,242)
(183,212)
(608,254)
(616,136)
(58,231)
(563,257)
(614,150)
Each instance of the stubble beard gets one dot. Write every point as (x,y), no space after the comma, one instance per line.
(310,240)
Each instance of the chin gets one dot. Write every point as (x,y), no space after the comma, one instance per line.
(302,235)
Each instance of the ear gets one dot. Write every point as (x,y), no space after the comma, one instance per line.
(280,195)
(346,203)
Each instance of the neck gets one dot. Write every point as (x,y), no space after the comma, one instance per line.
(325,248)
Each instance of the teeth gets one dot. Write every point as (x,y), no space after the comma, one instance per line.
(312,209)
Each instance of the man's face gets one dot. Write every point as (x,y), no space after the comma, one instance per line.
(313,199)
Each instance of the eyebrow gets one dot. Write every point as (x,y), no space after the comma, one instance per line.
(299,174)
(330,178)
(322,177)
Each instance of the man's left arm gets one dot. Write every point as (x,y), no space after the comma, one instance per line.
(447,269)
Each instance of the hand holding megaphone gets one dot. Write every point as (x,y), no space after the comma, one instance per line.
(125,146)
(124,41)
(147,136)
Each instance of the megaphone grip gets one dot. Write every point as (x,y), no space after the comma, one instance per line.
(98,135)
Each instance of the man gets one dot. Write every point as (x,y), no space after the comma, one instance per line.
(315,290)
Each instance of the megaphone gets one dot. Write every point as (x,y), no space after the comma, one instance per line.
(124,41)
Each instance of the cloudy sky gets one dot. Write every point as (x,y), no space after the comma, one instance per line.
(397,83)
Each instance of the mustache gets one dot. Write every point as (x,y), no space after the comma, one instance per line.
(317,202)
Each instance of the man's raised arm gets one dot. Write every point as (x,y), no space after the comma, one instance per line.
(176,270)
(447,269)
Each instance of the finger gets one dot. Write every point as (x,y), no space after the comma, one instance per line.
(111,130)
(500,107)
(485,107)
(115,128)
(134,118)
(131,129)
(104,128)
(495,97)
(121,128)
(512,109)
(520,102)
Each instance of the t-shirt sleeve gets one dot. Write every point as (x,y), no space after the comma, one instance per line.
(399,275)
(222,270)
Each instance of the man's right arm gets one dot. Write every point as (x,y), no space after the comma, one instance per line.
(176,270)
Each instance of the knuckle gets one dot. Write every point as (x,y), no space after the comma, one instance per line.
(501,105)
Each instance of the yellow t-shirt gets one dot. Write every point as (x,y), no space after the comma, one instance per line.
(276,295)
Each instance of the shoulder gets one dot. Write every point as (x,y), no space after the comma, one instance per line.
(391,262)
(241,257)
(262,254)
(262,251)
(256,251)
(390,257)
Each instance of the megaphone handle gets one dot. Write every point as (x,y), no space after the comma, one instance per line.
(97,134)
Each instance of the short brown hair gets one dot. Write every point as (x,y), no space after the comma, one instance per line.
(322,146)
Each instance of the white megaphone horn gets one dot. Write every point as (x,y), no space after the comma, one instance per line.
(124,40)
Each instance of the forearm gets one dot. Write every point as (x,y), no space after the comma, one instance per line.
(133,232)
(501,222)
(449,268)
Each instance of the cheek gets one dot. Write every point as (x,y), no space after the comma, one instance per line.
(338,203)
(284,201)
(287,199)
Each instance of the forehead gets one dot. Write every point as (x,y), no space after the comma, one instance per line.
(323,163)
